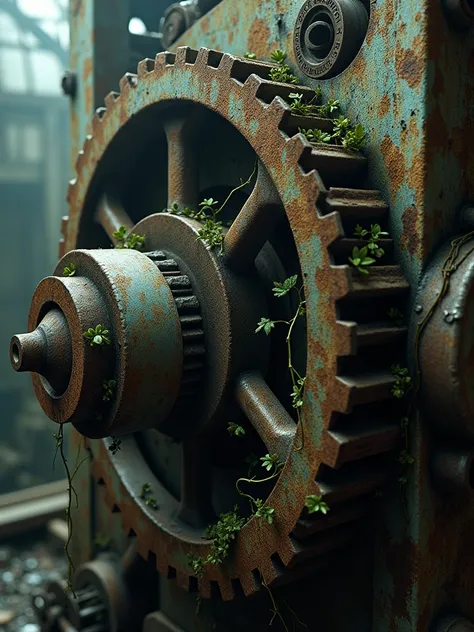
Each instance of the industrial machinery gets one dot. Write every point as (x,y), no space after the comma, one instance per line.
(269,375)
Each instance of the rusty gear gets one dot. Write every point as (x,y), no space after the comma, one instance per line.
(346,422)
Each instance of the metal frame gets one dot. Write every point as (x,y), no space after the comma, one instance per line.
(31,508)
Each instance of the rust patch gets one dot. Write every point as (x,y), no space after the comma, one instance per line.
(410,237)
(409,63)
(384,106)
(89,98)
(389,13)
(205,24)
(394,163)
(87,69)
(258,36)
(359,68)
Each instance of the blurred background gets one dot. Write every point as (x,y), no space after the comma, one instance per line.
(34,171)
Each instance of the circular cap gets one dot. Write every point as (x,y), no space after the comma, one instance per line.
(328,35)
(105,345)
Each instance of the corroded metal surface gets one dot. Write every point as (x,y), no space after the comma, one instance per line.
(446,345)
(420,121)
(123,292)
(341,426)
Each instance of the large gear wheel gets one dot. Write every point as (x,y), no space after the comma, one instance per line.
(348,422)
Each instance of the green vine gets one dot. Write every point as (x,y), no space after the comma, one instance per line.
(212,231)
(222,534)
(266,325)
(128,240)
(59,438)
(225,530)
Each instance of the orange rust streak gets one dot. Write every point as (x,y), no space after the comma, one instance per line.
(409,63)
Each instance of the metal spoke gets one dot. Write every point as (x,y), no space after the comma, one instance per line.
(253,225)
(183,175)
(111,215)
(274,425)
(196,484)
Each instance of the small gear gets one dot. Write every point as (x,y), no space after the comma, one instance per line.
(338,451)
(190,318)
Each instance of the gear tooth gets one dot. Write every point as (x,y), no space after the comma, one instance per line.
(71,190)
(142,549)
(342,284)
(359,441)
(185,55)
(226,64)
(331,229)
(336,164)
(252,86)
(225,587)
(80,160)
(127,82)
(355,390)
(202,57)
(249,582)
(164,59)
(183,580)
(98,116)
(204,588)
(145,67)
(269,571)
(345,342)
(287,552)
(110,99)
(208,58)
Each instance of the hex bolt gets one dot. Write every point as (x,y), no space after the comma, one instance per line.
(319,38)
(453,623)
(69,83)
(460,13)
(452,470)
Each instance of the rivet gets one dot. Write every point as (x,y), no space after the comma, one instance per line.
(448,316)
(418,309)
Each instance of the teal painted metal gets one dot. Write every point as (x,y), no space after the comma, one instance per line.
(403,87)
(99,55)
(412,87)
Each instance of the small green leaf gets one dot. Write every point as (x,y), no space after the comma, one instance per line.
(69,270)
(266,324)
(278,56)
(250,55)
(270,462)
(280,289)
(235,429)
(316,504)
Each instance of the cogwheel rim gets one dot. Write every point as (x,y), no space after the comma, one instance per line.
(316,216)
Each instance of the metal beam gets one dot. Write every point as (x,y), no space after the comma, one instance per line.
(30,24)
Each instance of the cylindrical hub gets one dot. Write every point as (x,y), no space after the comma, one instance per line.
(105,345)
